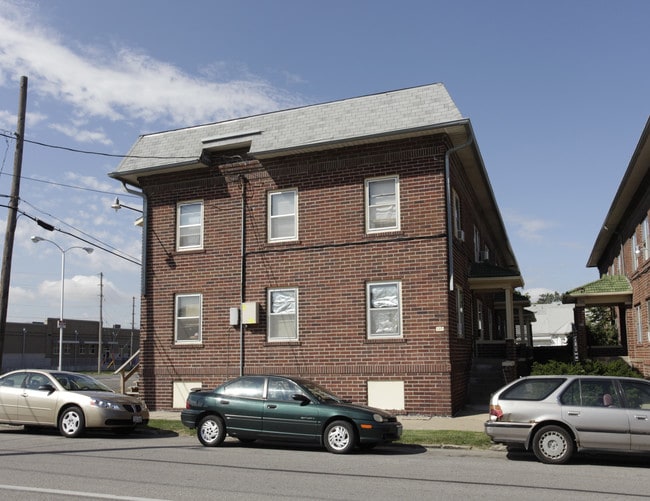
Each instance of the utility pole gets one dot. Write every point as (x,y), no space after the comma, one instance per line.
(12,215)
(101,323)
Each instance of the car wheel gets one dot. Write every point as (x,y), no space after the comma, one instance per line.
(339,437)
(72,422)
(211,431)
(553,445)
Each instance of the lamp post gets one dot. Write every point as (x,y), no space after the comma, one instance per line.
(63,251)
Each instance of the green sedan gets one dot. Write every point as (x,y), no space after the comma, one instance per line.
(286,409)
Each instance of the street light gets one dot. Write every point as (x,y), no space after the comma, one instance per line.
(63,251)
(117,205)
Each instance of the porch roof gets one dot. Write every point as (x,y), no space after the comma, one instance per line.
(486,276)
(609,289)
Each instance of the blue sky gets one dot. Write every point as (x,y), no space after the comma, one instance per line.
(557,92)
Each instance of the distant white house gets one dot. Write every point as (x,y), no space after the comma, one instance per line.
(553,323)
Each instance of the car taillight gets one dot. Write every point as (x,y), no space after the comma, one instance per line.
(495,412)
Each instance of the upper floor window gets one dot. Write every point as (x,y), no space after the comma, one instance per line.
(283,215)
(282,324)
(188,318)
(382,204)
(635,253)
(189,231)
(456,216)
(460,310)
(384,304)
(645,235)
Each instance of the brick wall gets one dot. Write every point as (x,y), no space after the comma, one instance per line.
(330,264)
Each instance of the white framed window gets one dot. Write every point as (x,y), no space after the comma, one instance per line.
(477,245)
(639,324)
(189,225)
(283,215)
(479,319)
(188,322)
(282,321)
(645,235)
(635,255)
(647,312)
(457,221)
(384,309)
(382,204)
(460,309)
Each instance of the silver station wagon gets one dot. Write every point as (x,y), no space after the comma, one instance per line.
(556,416)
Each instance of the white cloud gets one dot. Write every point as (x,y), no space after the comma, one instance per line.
(82,135)
(531,229)
(122,83)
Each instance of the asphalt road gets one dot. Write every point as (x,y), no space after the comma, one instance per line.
(146,466)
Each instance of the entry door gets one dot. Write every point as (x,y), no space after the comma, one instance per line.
(594,409)
(637,398)
(10,391)
(286,417)
(37,406)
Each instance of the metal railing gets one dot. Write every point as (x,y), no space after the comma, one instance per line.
(126,370)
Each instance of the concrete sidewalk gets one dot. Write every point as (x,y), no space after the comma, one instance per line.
(470,419)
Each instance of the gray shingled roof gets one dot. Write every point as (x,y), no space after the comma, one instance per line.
(299,129)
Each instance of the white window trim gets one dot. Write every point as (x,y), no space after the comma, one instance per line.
(397,225)
(369,310)
(294,237)
(460,310)
(270,314)
(178,226)
(199,340)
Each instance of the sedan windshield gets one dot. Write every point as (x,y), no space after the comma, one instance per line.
(321,394)
(79,382)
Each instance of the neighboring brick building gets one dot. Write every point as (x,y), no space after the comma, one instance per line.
(330,224)
(622,255)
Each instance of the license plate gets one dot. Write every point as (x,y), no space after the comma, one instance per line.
(137,419)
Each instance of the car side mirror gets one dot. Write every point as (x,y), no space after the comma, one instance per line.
(46,387)
(303,399)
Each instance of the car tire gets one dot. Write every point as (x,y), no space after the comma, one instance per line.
(553,445)
(211,431)
(339,437)
(72,422)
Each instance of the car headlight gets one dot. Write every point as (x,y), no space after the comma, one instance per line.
(378,417)
(104,404)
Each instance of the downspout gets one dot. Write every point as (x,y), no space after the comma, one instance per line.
(450,233)
(145,224)
(243,181)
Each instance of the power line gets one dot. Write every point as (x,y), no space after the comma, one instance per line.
(72,186)
(103,246)
(98,153)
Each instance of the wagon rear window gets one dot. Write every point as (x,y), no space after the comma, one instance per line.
(531,389)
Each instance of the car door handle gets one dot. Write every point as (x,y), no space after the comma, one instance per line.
(225,402)
(573,413)
(641,418)
(271,406)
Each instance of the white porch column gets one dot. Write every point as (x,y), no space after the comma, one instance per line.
(510,314)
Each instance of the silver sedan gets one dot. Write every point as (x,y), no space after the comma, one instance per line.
(69,401)
(557,415)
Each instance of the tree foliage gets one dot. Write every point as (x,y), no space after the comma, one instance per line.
(616,367)
(601,326)
(549,298)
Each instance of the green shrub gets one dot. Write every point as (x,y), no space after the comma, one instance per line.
(616,367)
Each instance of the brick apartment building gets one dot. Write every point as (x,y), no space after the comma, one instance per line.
(622,257)
(357,243)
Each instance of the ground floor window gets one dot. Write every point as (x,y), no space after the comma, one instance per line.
(188,318)
(282,310)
